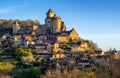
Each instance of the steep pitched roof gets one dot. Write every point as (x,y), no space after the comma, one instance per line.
(72,30)
(50,10)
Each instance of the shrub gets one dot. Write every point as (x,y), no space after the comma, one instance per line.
(6,66)
(32,73)
(76,73)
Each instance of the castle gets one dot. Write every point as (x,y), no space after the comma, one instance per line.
(51,36)
(53,25)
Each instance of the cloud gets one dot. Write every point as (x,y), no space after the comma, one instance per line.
(9,9)
(4,11)
(18,6)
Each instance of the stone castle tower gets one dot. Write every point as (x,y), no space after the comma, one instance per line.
(16,27)
(54,23)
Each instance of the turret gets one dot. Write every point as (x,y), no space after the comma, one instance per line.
(50,13)
(63,27)
(57,24)
(16,27)
(114,51)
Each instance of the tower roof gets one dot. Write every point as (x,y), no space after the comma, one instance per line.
(72,30)
(50,10)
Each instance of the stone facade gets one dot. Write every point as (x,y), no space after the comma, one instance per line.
(16,27)
(54,30)
(54,22)
(35,27)
(62,38)
(74,35)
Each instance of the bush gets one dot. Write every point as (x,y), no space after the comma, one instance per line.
(27,60)
(76,73)
(32,73)
(6,66)
(21,52)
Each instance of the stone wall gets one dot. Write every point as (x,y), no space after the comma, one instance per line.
(74,35)
(62,38)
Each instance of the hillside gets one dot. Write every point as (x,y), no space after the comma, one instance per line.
(31,50)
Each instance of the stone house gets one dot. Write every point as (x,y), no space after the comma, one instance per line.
(61,38)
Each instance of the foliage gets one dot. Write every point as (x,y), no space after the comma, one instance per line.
(32,73)
(7,51)
(22,52)
(1,49)
(40,61)
(5,76)
(35,51)
(9,23)
(76,73)
(91,45)
(27,60)
(110,71)
(6,66)
(6,25)
(65,45)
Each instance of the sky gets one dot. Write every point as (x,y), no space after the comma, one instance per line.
(96,20)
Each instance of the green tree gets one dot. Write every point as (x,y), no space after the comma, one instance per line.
(32,73)
(22,52)
(91,45)
(35,51)
(29,60)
